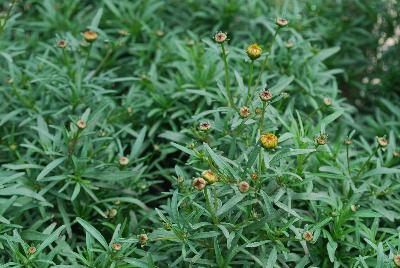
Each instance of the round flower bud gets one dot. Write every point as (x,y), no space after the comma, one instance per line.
(269,140)
(90,36)
(10,81)
(322,139)
(348,141)
(123,32)
(209,176)
(116,246)
(396,154)
(123,161)
(353,208)
(220,37)
(289,44)
(281,22)
(62,43)
(243,186)
(244,112)
(328,101)
(13,147)
(143,239)
(265,95)
(204,126)
(160,33)
(112,213)
(31,250)
(308,236)
(254,51)
(199,183)
(254,176)
(382,141)
(81,124)
(396,260)
(258,110)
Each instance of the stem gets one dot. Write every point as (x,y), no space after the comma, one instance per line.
(264,64)
(248,98)
(87,57)
(260,156)
(366,163)
(209,207)
(227,81)
(348,160)
(8,15)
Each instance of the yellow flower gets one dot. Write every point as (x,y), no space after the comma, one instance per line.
(254,51)
(90,36)
(269,140)
(209,176)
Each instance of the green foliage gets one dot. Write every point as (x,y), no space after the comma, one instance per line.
(101,142)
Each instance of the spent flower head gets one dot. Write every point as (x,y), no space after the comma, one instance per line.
(382,142)
(220,37)
(328,101)
(322,139)
(123,161)
(244,112)
(396,260)
(81,123)
(281,22)
(265,95)
(143,238)
(116,246)
(32,250)
(243,186)
(62,43)
(308,236)
(204,126)
(199,183)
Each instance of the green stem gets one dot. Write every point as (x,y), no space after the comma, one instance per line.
(366,163)
(249,93)
(227,81)
(260,156)
(87,57)
(264,63)
(209,207)
(348,159)
(8,15)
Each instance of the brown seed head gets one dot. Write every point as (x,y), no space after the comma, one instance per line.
(62,43)
(123,161)
(31,250)
(348,141)
(244,112)
(322,139)
(269,140)
(81,123)
(281,22)
(308,236)
(265,95)
(116,246)
(396,260)
(382,141)
(143,239)
(204,126)
(243,186)
(199,183)
(220,37)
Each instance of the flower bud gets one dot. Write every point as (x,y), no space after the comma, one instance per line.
(123,161)
(32,250)
(254,176)
(143,239)
(322,139)
(308,236)
(353,208)
(209,176)
(220,37)
(348,141)
(199,183)
(244,112)
(254,51)
(258,110)
(243,186)
(328,101)
(396,260)
(62,43)
(289,44)
(204,126)
(396,154)
(160,33)
(112,213)
(116,246)
(81,124)
(382,141)
(90,36)
(269,140)
(265,95)
(281,22)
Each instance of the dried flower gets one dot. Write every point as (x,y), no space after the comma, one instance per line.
(322,139)
(112,213)
(265,95)
(160,33)
(90,36)
(209,176)
(199,183)
(353,208)
(254,51)
(328,101)
(31,250)
(308,236)
(123,161)
(220,37)
(348,141)
(269,140)
(123,32)
(143,238)
(281,22)
(254,176)
(204,126)
(396,154)
(244,112)
(289,44)
(81,123)
(243,186)
(62,43)
(116,246)
(382,141)
(396,260)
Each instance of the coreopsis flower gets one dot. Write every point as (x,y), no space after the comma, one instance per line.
(353,208)
(32,250)
(81,123)
(308,236)
(199,183)
(328,101)
(244,112)
(396,260)
(382,141)
(243,186)
(204,126)
(123,161)
(143,238)
(269,140)
(265,95)
(112,213)
(62,43)
(281,22)
(116,246)
(220,37)
(209,176)
(254,176)
(322,139)
(90,36)
(254,51)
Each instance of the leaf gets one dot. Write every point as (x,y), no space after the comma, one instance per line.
(52,165)
(50,239)
(272,258)
(380,171)
(331,247)
(326,53)
(290,152)
(137,147)
(230,204)
(93,232)
(184,149)
(96,20)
